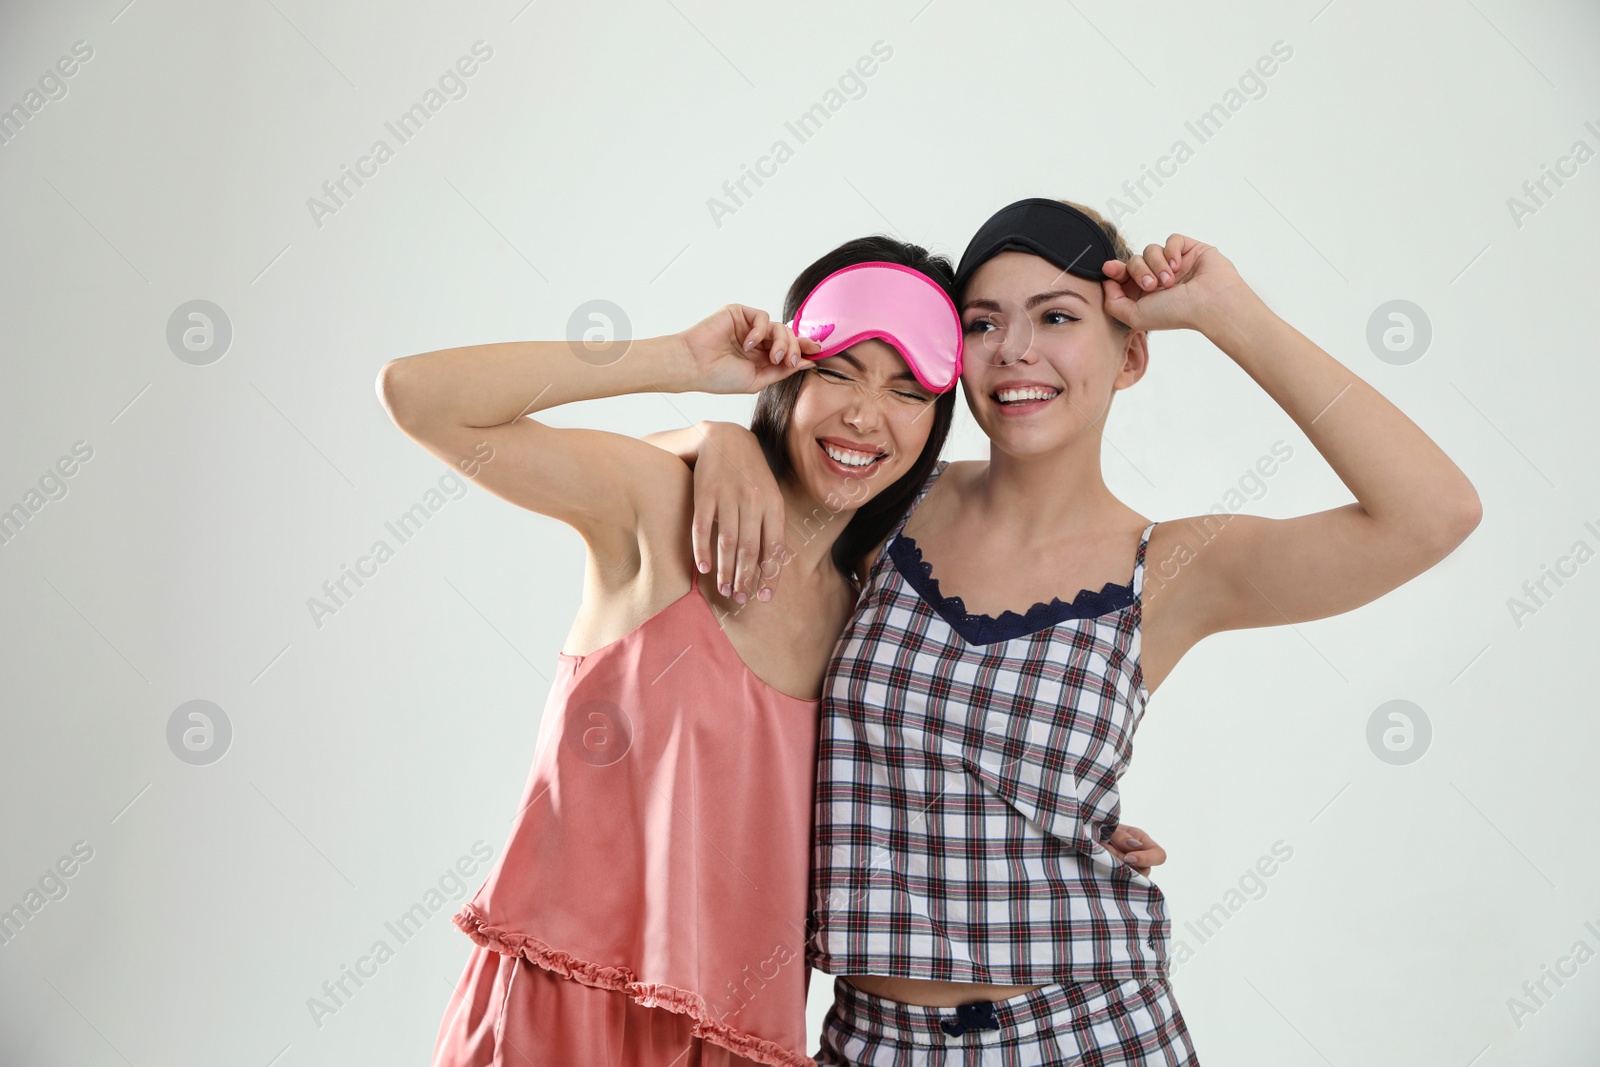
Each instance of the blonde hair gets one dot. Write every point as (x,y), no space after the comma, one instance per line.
(1119,244)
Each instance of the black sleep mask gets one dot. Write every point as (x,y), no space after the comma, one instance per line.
(1046,228)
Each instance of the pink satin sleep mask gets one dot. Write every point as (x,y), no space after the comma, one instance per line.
(890,302)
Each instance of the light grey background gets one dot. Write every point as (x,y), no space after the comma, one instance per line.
(369,753)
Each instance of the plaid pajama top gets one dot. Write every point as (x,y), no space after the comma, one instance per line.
(967,772)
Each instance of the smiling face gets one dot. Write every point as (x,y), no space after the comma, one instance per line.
(1063,356)
(859,423)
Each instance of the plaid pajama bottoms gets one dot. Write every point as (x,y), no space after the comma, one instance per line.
(1085,1024)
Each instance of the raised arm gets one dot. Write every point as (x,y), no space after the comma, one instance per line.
(1413,505)
(469,407)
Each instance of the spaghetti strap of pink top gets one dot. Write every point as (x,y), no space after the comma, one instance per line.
(662,845)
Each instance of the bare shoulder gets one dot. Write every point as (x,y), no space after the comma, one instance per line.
(951,473)
(962,471)
(945,496)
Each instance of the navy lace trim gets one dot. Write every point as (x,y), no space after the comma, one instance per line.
(987,629)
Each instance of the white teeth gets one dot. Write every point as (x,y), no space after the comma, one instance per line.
(849,459)
(1008,396)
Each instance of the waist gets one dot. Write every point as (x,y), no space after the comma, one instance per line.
(934,994)
(934,930)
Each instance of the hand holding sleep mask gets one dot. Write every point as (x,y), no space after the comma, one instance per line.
(1049,229)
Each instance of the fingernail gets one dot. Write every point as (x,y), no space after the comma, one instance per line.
(777,356)
(1165,277)
(726,588)
(765,594)
(1135,842)
(1147,281)
(703,566)
(739,597)
(748,345)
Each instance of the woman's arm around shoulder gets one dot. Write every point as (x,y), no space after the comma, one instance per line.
(470,407)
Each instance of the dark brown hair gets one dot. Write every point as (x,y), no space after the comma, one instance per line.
(775,404)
